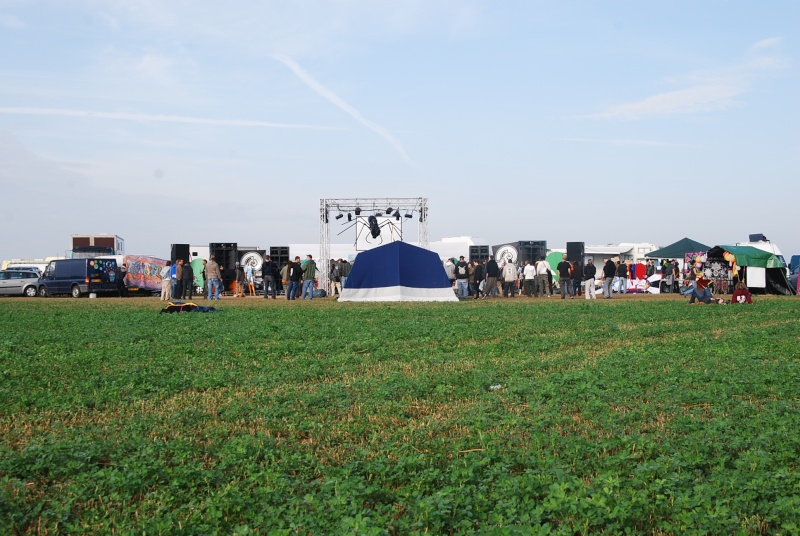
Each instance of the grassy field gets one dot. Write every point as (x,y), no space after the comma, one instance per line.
(640,416)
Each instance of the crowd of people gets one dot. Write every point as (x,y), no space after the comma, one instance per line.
(476,279)
(490,279)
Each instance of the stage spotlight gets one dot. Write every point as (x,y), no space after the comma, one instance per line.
(379,213)
(358,211)
(397,214)
(374,228)
(389,210)
(349,217)
(339,216)
(409,216)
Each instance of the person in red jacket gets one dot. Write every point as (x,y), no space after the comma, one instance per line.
(741,294)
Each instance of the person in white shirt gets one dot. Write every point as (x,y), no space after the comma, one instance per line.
(542,271)
(529,272)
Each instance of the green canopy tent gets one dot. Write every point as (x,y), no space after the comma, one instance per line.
(553,259)
(678,250)
(197,268)
(750,257)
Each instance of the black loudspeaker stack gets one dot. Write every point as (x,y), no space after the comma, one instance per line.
(479,253)
(279,255)
(226,254)
(531,250)
(180,251)
(575,252)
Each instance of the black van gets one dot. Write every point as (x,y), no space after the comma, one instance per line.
(78,277)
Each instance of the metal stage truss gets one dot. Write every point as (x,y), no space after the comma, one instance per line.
(348,212)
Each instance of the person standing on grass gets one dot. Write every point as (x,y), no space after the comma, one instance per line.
(450,270)
(622,274)
(205,278)
(492,273)
(529,273)
(565,278)
(542,275)
(268,271)
(477,279)
(509,279)
(609,269)
(577,277)
(589,271)
(187,281)
(294,274)
(250,278)
(336,279)
(239,281)
(166,281)
(309,278)
(462,277)
(344,271)
(213,278)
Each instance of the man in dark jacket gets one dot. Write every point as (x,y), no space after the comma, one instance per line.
(269,271)
(609,269)
(187,280)
(565,278)
(295,273)
(622,274)
(344,271)
(477,277)
(492,273)
(577,277)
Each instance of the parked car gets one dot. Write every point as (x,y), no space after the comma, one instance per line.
(793,277)
(78,277)
(19,282)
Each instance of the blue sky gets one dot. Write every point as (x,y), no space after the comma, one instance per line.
(200,121)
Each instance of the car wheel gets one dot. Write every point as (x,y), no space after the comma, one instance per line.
(76,291)
(30,292)
(43,292)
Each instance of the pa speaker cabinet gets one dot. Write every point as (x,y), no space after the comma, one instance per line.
(575,252)
(279,255)
(531,250)
(180,251)
(479,253)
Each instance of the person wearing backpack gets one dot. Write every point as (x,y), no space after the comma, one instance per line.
(462,277)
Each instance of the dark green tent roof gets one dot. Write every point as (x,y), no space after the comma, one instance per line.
(678,249)
(750,256)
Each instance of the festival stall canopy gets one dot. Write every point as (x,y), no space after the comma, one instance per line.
(773,280)
(397,272)
(678,249)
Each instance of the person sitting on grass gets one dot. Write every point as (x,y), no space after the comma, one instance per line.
(741,294)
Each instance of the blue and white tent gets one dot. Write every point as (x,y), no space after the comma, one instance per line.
(397,272)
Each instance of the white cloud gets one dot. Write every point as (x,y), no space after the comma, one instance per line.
(10,21)
(122,116)
(706,98)
(340,103)
(709,91)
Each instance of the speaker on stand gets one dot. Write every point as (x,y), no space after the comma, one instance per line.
(180,251)
(575,252)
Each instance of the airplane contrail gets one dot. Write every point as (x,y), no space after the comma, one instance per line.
(340,103)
